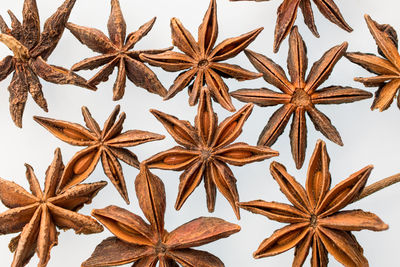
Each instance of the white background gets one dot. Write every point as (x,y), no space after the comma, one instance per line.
(369,137)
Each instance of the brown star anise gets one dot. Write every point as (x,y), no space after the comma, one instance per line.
(387,68)
(108,144)
(298,95)
(315,218)
(287,13)
(116,52)
(38,215)
(31,50)
(201,60)
(137,241)
(206,151)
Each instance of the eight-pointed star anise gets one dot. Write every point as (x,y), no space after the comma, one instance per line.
(206,151)
(200,60)
(315,218)
(145,245)
(298,95)
(37,215)
(108,144)
(387,68)
(287,13)
(31,50)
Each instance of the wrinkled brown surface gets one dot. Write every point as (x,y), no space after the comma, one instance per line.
(38,214)
(107,144)
(315,217)
(299,95)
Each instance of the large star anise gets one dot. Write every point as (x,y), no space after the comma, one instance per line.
(116,52)
(38,215)
(298,95)
(206,151)
(31,50)
(108,144)
(145,245)
(287,13)
(315,218)
(200,60)
(387,68)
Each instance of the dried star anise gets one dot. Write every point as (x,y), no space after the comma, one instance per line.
(38,215)
(146,244)
(200,60)
(31,50)
(206,150)
(108,144)
(287,13)
(299,95)
(116,52)
(315,218)
(387,68)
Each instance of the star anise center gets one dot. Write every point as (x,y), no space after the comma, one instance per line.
(313,221)
(206,153)
(300,98)
(203,63)
(160,248)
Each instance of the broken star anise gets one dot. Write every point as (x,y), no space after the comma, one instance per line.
(200,60)
(299,95)
(37,215)
(31,50)
(205,151)
(387,68)
(315,216)
(116,52)
(146,244)
(108,144)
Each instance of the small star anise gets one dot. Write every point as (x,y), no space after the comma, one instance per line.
(387,68)
(299,95)
(31,50)
(108,144)
(116,52)
(201,60)
(206,151)
(38,215)
(145,245)
(315,218)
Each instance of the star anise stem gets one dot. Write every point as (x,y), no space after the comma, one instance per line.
(377,186)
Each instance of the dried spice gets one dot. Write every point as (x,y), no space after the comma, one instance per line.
(205,151)
(108,144)
(287,13)
(200,60)
(116,52)
(315,217)
(145,244)
(37,215)
(31,50)
(386,68)
(300,95)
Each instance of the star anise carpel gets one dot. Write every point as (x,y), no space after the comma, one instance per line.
(315,216)
(144,244)
(299,95)
(116,51)
(108,144)
(31,50)
(201,60)
(386,68)
(206,150)
(38,215)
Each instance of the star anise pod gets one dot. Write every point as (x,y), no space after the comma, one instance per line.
(287,13)
(146,244)
(387,68)
(31,50)
(315,217)
(116,52)
(200,60)
(205,151)
(37,215)
(108,144)
(299,95)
